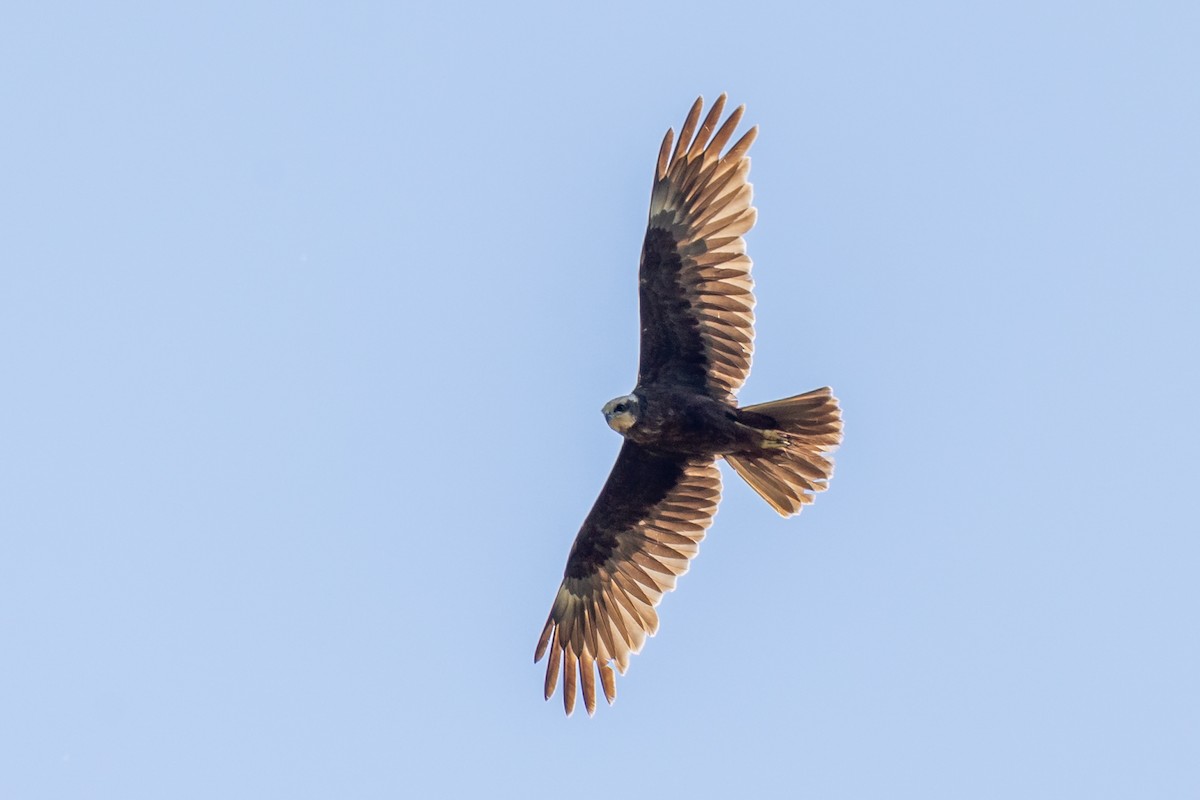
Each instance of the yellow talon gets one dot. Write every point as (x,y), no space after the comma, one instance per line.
(776,440)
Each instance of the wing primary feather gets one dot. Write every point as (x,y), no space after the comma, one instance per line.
(544,639)
(552,668)
(664,155)
(726,130)
(696,183)
(699,144)
(743,144)
(577,630)
(592,630)
(682,182)
(631,592)
(739,201)
(609,683)
(624,620)
(587,679)
(644,614)
(566,622)
(570,668)
(711,194)
(604,629)
(638,624)
(689,126)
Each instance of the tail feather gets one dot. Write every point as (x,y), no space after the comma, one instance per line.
(789,471)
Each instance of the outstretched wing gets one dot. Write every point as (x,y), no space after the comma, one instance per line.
(697,297)
(639,537)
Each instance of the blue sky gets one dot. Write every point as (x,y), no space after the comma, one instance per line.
(307,314)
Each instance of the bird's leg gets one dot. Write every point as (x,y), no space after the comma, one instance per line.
(775,440)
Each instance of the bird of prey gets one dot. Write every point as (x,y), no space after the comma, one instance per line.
(697,325)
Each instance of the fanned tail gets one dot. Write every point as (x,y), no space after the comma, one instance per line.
(799,433)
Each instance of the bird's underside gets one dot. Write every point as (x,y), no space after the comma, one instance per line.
(697,328)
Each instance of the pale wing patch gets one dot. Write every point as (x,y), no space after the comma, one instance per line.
(703,199)
(605,618)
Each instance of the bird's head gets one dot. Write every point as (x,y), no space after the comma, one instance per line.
(621,413)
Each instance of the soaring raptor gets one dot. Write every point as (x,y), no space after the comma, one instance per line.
(697,325)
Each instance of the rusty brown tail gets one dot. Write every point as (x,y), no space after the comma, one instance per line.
(804,429)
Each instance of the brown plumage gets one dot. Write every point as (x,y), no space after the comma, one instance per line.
(697,329)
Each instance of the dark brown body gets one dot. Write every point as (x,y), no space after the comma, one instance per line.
(682,421)
(697,334)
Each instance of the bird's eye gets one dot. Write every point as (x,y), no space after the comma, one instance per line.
(621,408)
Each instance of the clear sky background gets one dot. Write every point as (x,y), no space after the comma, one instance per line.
(307,312)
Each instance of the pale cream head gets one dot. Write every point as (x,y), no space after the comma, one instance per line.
(621,412)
